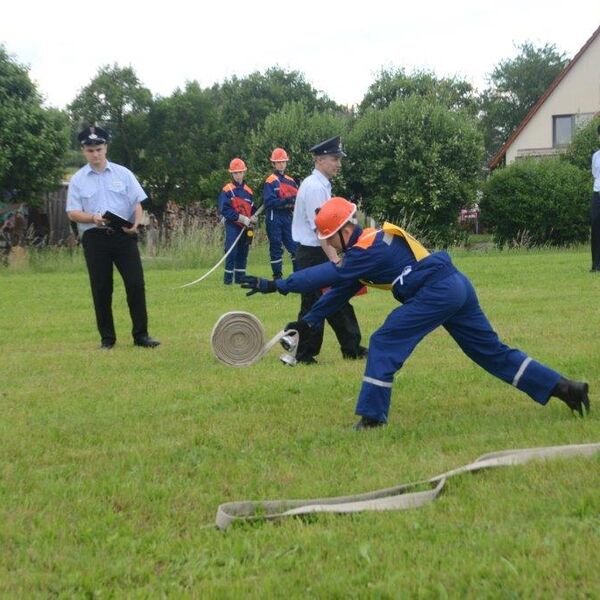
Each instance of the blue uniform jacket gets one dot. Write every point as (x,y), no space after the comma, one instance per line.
(279,193)
(236,199)
(374,258)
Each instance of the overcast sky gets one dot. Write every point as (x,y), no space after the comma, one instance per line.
(339,46)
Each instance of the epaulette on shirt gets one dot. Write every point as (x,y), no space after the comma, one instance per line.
(229,187)
(366,239)
(271,178)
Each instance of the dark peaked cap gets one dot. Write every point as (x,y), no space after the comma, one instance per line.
(93,136)
(331,146)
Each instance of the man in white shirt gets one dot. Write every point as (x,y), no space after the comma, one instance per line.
(104,199)
(596,209)
(314,191)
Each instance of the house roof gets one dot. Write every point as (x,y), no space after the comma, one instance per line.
(495,161)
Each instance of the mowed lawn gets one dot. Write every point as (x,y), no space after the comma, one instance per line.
(113,463)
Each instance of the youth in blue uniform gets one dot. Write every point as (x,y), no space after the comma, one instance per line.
(279,194)
(433,293)
(237,207)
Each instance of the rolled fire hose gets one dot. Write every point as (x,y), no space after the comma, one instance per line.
(238,340)
(400,497)
(229,251)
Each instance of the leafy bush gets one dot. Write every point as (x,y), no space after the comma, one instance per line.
(536,203)
(416,159)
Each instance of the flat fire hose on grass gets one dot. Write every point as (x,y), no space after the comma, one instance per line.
(238,340)
(399,497)
(229,251)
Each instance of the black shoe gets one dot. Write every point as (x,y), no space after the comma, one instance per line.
(146,342)
(360,352)
(574,394)
(309,360)
(106,345)
(367,423)
(276,277)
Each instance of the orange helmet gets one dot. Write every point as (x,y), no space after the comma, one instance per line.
(279,155)
(333,215)
(237,165)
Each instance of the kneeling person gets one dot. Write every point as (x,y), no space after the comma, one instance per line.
(433,293)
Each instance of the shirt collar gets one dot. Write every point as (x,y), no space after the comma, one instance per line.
(355,235)
(88,169)
(321,178)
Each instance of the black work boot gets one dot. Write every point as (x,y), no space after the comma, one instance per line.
(574,394)
(360,352)
(367,423)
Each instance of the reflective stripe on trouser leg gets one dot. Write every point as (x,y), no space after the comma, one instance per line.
(536,380)
(395,340)
(374,398)
(473,332)
(231,233)
(275,250)
(241,258)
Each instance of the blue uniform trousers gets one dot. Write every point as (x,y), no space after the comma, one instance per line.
(451,302)
(235,263)
(279,231)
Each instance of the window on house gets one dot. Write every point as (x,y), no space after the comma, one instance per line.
(563,127)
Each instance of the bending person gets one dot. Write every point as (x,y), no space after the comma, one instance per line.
(433,293)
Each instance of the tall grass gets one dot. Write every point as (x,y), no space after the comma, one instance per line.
(190,248)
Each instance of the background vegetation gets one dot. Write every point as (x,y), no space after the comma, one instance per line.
(418,143)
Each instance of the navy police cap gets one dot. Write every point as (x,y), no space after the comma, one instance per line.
(331,146)
(93,136)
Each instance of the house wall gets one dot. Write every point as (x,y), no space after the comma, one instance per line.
(577,93)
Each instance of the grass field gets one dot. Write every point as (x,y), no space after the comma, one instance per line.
(112,463)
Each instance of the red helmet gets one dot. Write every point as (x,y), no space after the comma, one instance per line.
(237,165)
(333,215)
(279,155)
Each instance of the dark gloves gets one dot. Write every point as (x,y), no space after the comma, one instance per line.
(258,284)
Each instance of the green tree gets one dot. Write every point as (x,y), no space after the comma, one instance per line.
(244,103)
(115,98)
(416,160)
(33,139)
(296,128)
(181,146)
(392,84)
(515,85)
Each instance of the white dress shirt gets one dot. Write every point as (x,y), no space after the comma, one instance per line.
(313,192)
(596,170)
(115,189)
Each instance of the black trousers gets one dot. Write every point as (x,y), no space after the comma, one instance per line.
(596,231)
(103,248)
(343,322)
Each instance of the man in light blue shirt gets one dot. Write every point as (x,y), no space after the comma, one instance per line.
(596,209)
(313,192)
(104,199)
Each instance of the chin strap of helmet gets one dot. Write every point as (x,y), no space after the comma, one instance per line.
(342,241)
